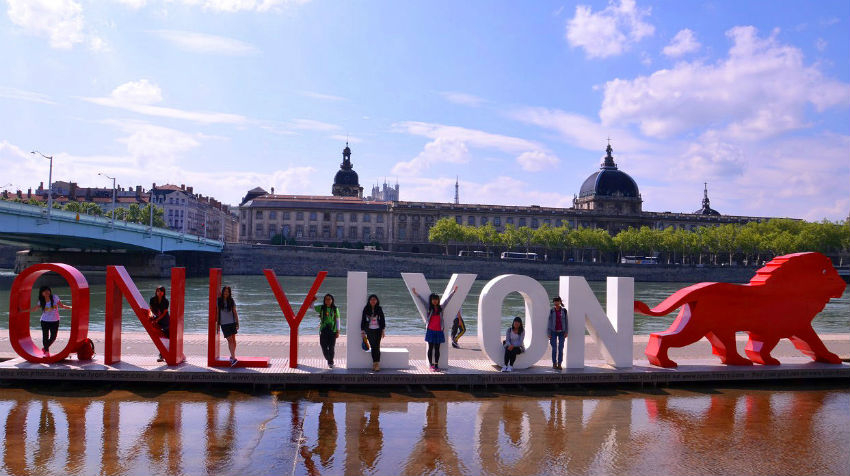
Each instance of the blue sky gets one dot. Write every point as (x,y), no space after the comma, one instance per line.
(515,98)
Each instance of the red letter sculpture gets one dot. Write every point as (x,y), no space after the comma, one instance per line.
(19,312)
(779,302)
(293,320)
(213,343)
(118,284)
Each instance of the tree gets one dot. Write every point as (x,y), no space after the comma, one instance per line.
(445,231)
(158,216)
(525,234)
(509,237)
(488,236)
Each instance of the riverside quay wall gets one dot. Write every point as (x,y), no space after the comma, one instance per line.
(307,261)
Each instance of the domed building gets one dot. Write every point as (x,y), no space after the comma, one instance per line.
(346,181)
(706,205)
(609,190)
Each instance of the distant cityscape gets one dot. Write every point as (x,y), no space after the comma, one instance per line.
(608,199)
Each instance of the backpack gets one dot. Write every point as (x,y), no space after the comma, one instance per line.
(85,351)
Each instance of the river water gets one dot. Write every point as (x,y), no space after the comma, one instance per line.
(260,314)
(701,431)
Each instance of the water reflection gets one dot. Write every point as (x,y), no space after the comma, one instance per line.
(717,431)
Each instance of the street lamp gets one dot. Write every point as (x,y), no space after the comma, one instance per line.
(112,224)
(49,183)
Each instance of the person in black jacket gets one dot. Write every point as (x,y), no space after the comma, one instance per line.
(372,326)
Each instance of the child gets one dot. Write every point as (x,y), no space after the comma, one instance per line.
(49,305)
(228,321)
(458,330)
(513,344)
(557,331)
(372,326)
(328,327)
(434,333)
(158,313)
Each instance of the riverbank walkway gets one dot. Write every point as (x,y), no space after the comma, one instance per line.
(468,365)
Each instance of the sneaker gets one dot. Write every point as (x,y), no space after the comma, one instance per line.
(436,368)
(160,358)
(330,365)
(233,362)
(454,344)
(510,368)
(433,368)
(504,368)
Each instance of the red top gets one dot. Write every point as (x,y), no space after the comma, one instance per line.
(434,322)
(558,326)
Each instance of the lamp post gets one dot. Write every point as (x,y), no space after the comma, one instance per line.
(112,223)
(49,183)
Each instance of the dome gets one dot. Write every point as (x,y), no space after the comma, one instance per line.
(346,177)
(609,181)
(706,205)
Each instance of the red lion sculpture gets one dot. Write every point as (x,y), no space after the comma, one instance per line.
(779,302)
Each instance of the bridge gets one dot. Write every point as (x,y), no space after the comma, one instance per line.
(29,225)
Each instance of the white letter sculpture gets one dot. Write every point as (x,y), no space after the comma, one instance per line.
(464,284)
(490,330)
(612,332)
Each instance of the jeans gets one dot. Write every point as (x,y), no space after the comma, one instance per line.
(510,355)
(557,342)
(327,340)
(48,333)
(374,336)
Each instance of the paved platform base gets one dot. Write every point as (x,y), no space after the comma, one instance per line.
(464,372)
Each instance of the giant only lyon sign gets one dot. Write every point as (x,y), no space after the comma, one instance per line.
(779,302)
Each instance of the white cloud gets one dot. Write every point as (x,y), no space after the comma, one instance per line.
(463,99)
(342,138)
(609,32)
(502,190)
(138,97)
(578,130)
(206,44)
(326,97)
(313,125)
(15,93)
(59,20)
(761,89)
(451,144)
(683,43)
(231,6)
(134,4)
(537,160)
(821,44)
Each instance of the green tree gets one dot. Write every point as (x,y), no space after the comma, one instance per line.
(487,236)
(445,231)
(509,237)
(158,216)
(525,235)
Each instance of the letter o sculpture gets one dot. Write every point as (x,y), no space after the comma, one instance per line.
(490,330)
(19,315)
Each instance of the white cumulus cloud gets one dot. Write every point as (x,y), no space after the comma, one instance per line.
(608,32)
(762,88)
(59,20)
(537,160)
(206,44)
(683,43)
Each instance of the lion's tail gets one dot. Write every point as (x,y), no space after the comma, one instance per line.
(674,301)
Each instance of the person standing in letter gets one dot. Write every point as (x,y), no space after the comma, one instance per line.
(434,332)
(228,321)
(158,313)
(372,325)
(557,331)
(513,344)
(328,327)
(458,330)
(49,305)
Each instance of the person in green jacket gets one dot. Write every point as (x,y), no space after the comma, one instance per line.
(328,327)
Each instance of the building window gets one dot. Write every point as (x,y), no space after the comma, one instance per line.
(312,231)
(286,215)
(522,221)
(326,216)
(244,214)
(243,227)
(547,222)
(299,231)
(272,215)
(340,217)
(367,233)
(379,233)
(313,216)
(470,220)
(340,232)
(558,222)
(326,231)
(483,220)
(258,229)
(459,219)
(509,220)
(299,216)
(258,214)
(379,218)
(271,232)
(535,223)
(353,217)
(497,221)
(367,217)
(286,231)
(352,232)
(402,234)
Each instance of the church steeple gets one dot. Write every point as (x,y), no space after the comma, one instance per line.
(706,203)
(346,157)
(608,162)
(346,182)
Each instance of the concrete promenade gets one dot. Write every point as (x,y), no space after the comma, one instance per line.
(468,366)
